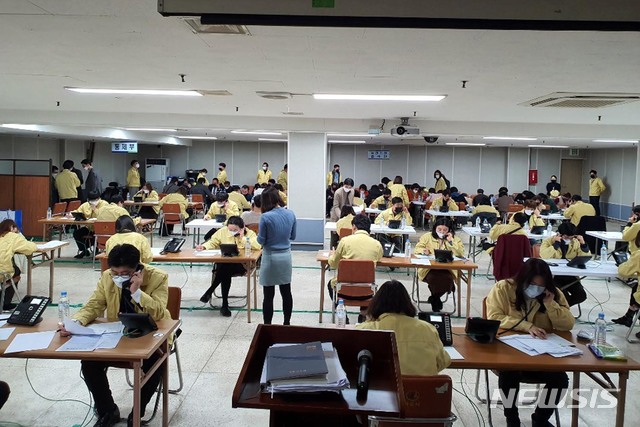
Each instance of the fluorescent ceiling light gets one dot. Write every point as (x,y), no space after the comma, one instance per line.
(350,135)
(197,137)
(152,129)
(343,141)
(410,98)
(468,144)
(20,126)
(256,132)
(510,138)
(273,139)
(548,146)
(156,92)
(631,141)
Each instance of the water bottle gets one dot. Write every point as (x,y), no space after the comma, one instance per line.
(190,198)
(402,221)
(63,306)
(407,249)
(128,196)
(247,247)
(478,222)
(601,330)
(341,314)
(549,229)
(603,253)
(49,213)
(420,197)
(526,227)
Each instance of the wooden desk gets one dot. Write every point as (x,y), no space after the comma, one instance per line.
(48,255)
(132,351)
(402,262)
(63,220)
(385,387)
(500,356)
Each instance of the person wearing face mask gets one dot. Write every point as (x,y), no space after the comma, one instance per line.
(126,233)
(148,194)
(223,206)
(234,232)
(203,174)
(84,235)
(283,178)
(596,188)
(631,269)
(11,243)
(531,303)
(577,209)
(566,244)
(238,198)
(440,282)
(125,287)
(334,176)
(342,197)
(530,209)
(398,190)
(397,211)
(133,178)
(553,184)
(385,199)
(93,182)
(632,229)
(180,198)
(515,227)
(441,182)
(445,200)
(222,172)
(264,174)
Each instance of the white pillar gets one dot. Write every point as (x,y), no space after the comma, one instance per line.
(307,157)
(636,193)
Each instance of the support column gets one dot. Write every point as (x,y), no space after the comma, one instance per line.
(306,159)
(636,193)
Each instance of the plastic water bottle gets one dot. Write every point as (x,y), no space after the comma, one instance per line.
(341,314)
(402,222)
(407,249)
(549,229)
(49,212)
(247,247)
(478,222)
(63,306)
(190,198)
(603,253)
(128,196)
(526,226)
(601,330)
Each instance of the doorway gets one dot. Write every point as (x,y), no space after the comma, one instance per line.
(571,176)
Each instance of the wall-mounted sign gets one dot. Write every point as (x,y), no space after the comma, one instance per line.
(124,147)
(378,155)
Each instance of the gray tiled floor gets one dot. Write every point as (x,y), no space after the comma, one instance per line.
(213,349)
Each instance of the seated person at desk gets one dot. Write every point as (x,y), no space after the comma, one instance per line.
(532,212)
(84,235)
(238,198)
(172,186)
(253,216)
(180,198)
(420,350)
(577,209)
(148,293)
(359,245)
(399,190)
(566,244)
(234,232)
(515,227)
(385,199)
(440,282)
(631,230)
(397,212)
(358,199)
(11,243)
(202,188)
(126,233)
(281,193)
(530,302)
(445,200)
(346,217)
(222,206)
(114,210)
(148,194)
(631,268)
(483,206)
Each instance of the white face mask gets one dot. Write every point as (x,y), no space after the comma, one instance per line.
(346,190)
(264,168)
(528,211)
(415,191)
(440,235)
(534,291)
(567,241)
(437,176)
(234,233)
(119,280)
(55,174)
(221,205)
(94,202)
(145,191)
(137,165)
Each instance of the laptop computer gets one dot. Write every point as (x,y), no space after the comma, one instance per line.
(579,262)
(482,330)
(443,255)
(137,199)
(382,206)
(538,229)
(229,249)
(78,216)
(394,223)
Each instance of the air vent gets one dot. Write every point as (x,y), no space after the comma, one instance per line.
(199,28)
(582,100)
(293,113)
(274,95)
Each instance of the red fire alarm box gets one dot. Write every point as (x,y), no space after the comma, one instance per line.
(533,176)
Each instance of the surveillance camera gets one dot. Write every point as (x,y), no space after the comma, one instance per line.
(431,139)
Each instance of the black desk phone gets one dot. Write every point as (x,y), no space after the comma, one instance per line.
(442,323)
(29,311)
(173,245)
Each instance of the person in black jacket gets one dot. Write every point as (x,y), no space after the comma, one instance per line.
(93,181)
(553,184)
(78,172)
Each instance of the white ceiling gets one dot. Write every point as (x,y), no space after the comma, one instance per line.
(126,44)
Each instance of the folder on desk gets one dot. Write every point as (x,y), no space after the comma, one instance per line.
(296,361)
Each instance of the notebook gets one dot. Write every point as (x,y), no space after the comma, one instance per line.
(296,361)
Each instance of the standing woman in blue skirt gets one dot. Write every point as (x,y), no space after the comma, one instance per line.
(276,230)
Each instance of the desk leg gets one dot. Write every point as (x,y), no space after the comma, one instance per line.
(165,384)
(137,387)
(459,285)
(151,236)
(469,273)
(248,268)
(323,271)
(575,411)
(44,232)
(51,269)
(29,273)
(622,396)
(255,284)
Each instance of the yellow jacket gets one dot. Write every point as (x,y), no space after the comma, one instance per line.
(420,350)
(176,198)
(230,210)
(67,184)
(358,201)
(10,244)
(629,234)
(501,306)
(577,210)
(437,203)
(547,251)
(222,176)
(428,244)
(224,236)
(282,179)
(596,186)
(398,190)
(385,216)
(106,297)
(239,200)
(359,245)
(151,197)
(500,229)
(485,209)
(263,177)
(88,211)
(441,184)
(201,175)
(533,220)
(330,178)
(112,212)
(283,197)
(631,268)
(134,239)
(344,222)
(378,201)
(133,177)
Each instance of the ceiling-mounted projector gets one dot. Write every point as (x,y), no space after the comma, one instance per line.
(405,130)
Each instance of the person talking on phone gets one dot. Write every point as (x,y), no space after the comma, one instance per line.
(632,229)
(234,233)
(397,212)
(566,244)
(530,303)
(126,287)
(12,242)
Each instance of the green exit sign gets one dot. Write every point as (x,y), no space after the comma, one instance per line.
(323,3)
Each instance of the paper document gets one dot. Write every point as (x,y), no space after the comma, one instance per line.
(96,329)
(554,345)
(5,333)
(420,261)
(212,252)
(3,322)
(31,341)
(109,341)
(453,353)
(49,245)
(91,342)
(156,251)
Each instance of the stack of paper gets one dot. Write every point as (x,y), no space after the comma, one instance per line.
(335,380)
(553,345)
(211,252)
(49,245)
(100,335)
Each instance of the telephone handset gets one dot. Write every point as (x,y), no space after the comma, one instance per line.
(127,284)
(29,311)
(173,245)
(442,323)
